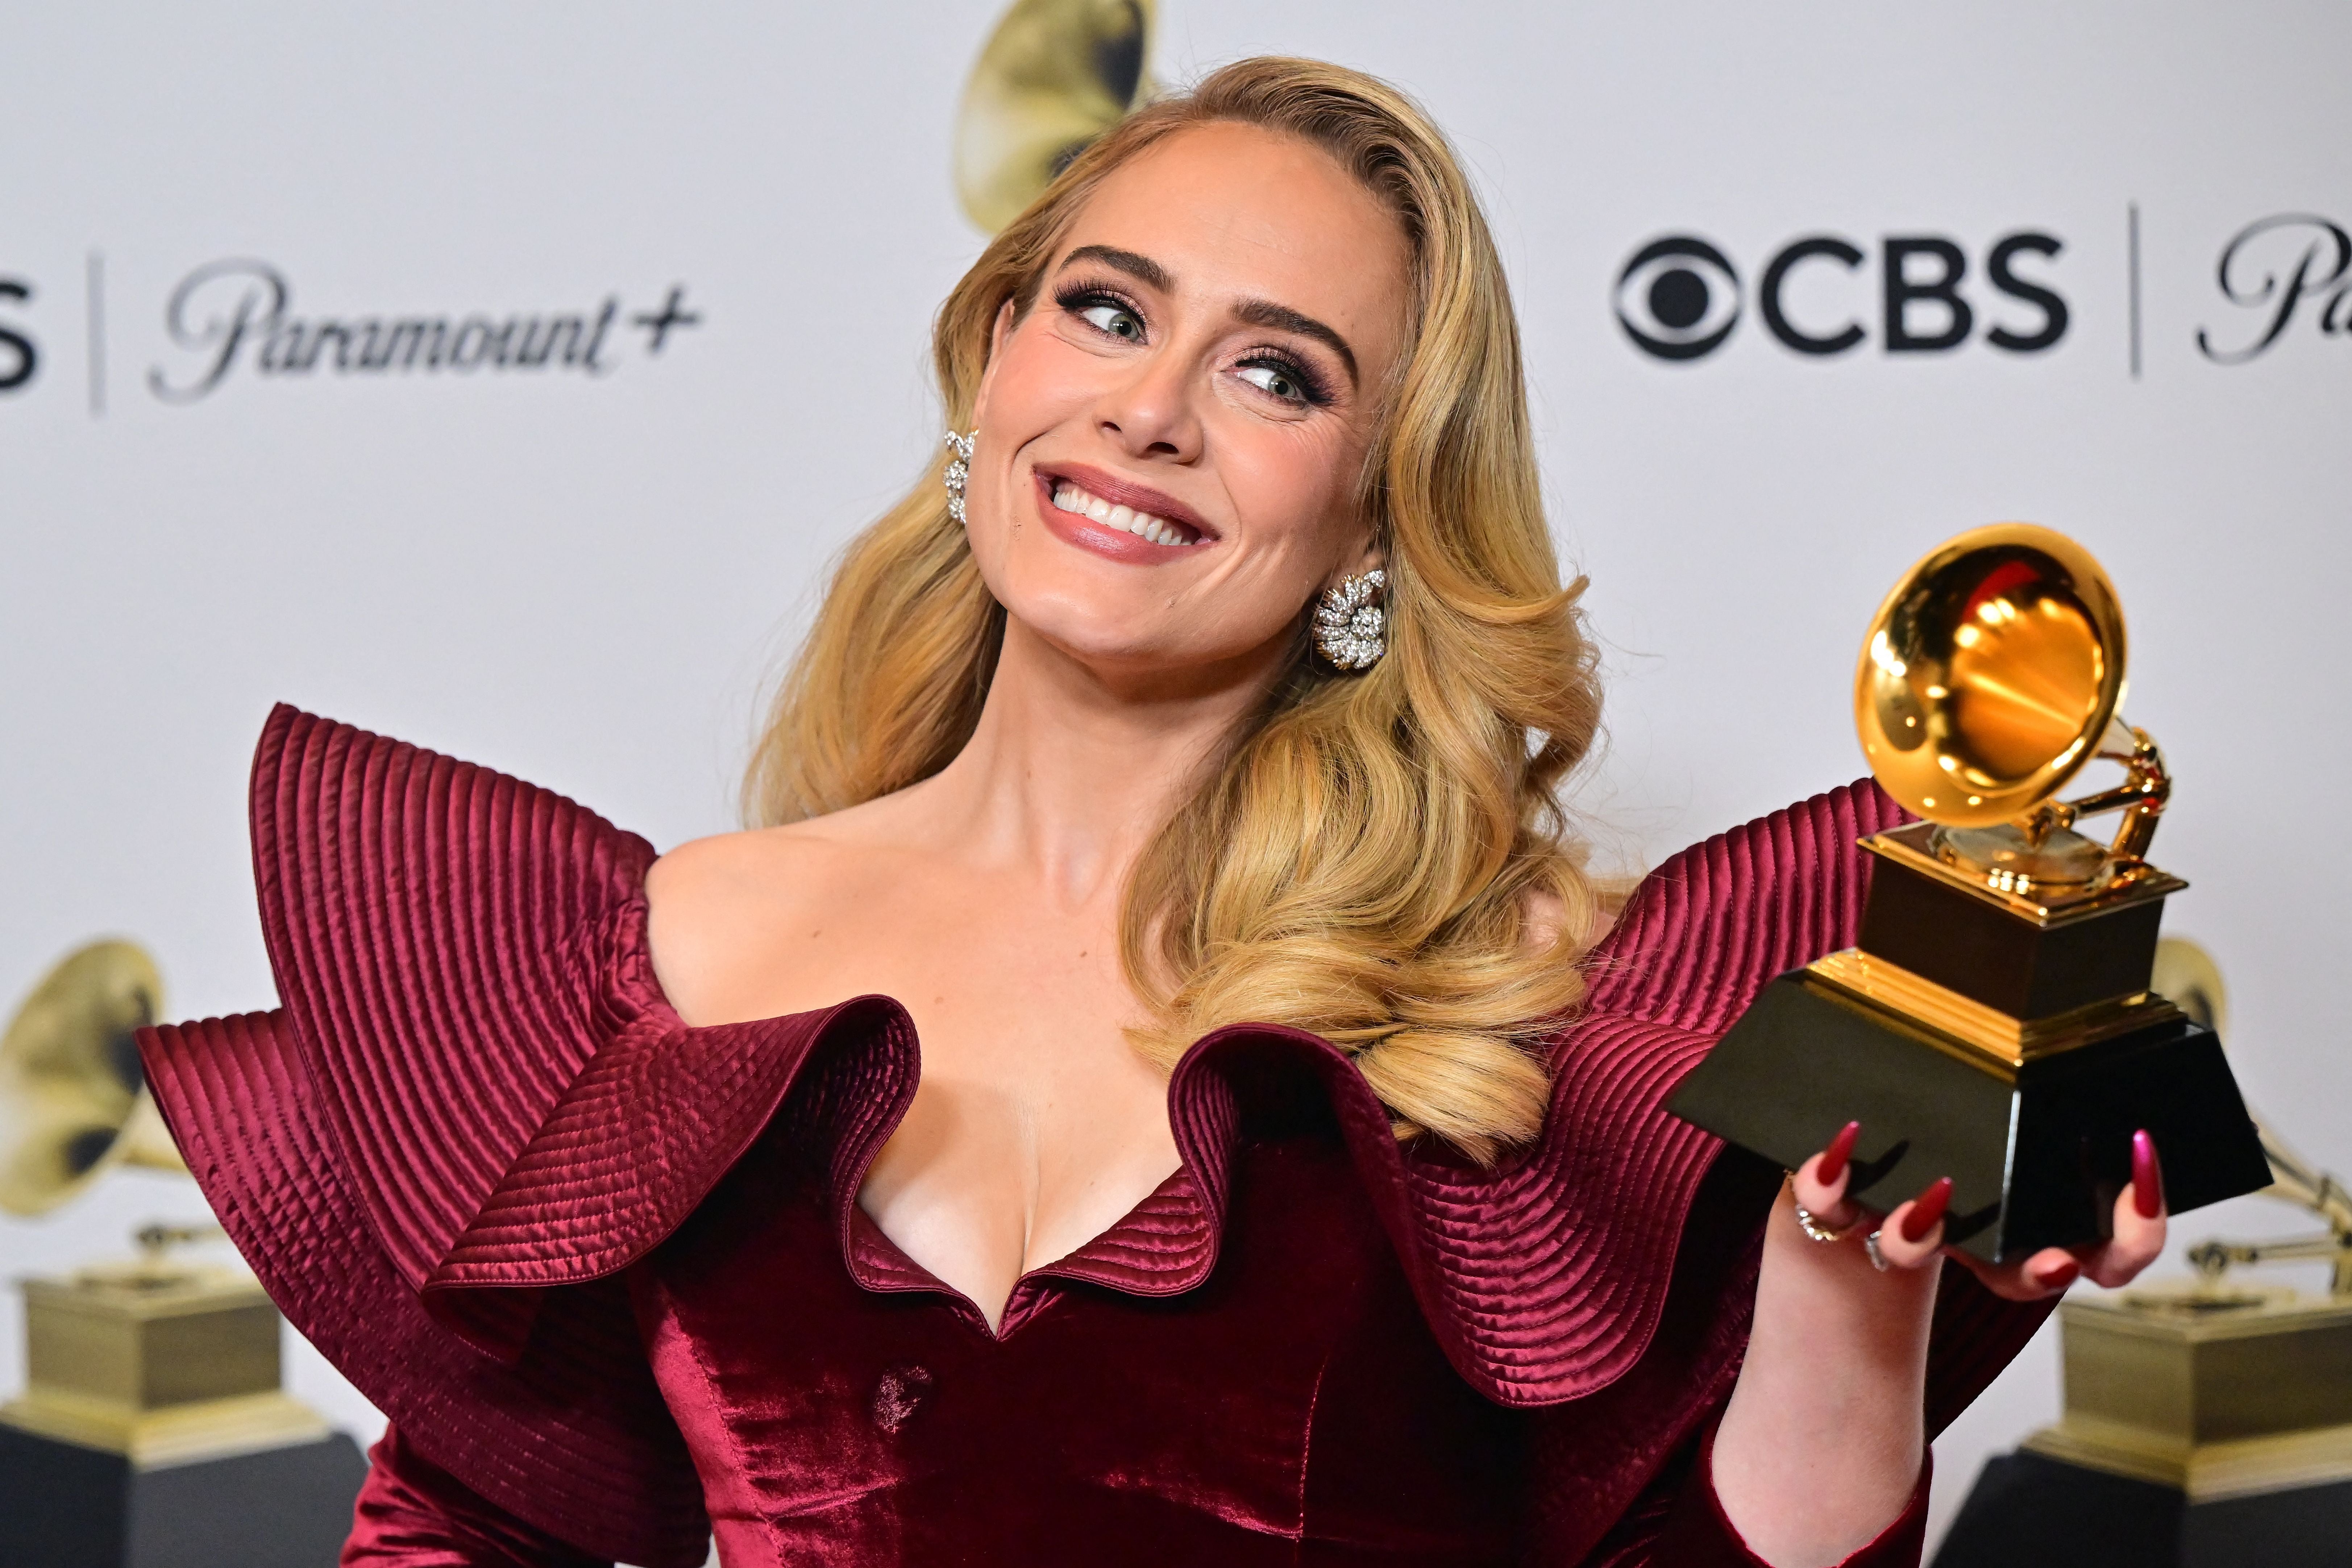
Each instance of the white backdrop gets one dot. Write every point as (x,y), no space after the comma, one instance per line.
(583,577)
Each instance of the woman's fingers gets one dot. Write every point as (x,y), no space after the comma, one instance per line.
(2046,1273)
(1821,1181)
(2148,1178)
(1830,1165)
(1914,1233)
(2139,1221)
(2137,1242)
(2051,1271)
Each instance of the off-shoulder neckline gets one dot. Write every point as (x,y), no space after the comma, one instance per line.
(1131,1255)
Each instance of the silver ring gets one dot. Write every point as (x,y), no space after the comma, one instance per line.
(1877,1259)
(1810,1223)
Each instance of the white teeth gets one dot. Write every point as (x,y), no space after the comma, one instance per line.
(1068,497)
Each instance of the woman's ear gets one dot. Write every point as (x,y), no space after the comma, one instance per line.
(1370,558)
(996,336)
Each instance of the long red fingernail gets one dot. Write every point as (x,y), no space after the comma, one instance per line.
(2147,1178)
(1927,1210)
(2058,1278)
(1835,1157)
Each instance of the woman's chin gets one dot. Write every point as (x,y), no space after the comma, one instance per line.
(1125,644)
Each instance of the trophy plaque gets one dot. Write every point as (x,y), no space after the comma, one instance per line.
(1996,1023)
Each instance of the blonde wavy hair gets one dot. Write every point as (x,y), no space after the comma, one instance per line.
(1379,857)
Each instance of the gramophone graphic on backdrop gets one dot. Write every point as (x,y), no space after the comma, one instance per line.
(1997,1022)
(1055,75)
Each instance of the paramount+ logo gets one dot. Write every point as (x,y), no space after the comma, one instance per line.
(1681,297)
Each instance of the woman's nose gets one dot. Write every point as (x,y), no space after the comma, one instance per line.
(1151,413)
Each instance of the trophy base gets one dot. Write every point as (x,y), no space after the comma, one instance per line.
(2206,1426)
(2028,1510)
(2037,1151)
(63,1505)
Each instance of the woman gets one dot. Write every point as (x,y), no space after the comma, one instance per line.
(1271,1181)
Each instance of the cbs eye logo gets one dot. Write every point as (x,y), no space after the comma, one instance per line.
(1679,298)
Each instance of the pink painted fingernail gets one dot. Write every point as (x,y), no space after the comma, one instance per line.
(2148,1178)
(1835,1157)
(1927,1209)
(2058,1278)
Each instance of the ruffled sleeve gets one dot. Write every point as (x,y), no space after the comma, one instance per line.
(1606,1278)
(420,1152)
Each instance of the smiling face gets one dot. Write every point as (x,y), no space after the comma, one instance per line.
(1171,438)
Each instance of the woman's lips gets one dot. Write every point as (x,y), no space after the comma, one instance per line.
(1080,502)
(1117,517)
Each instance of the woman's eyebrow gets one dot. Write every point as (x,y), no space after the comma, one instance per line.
(1142,268)
(1282,318)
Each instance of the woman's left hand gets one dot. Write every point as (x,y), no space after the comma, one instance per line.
(1912,1233)
(1825,1437)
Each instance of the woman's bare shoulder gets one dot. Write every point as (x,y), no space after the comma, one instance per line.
(757,863)
(770,863)
(723,910)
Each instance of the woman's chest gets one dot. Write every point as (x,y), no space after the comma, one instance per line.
(846,1408)
(1033,1127)
(1029,1134)
(1035,1124)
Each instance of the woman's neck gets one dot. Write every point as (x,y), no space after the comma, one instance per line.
(1072,769)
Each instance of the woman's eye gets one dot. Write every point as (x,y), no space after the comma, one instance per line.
(1116,319)
(1276,380)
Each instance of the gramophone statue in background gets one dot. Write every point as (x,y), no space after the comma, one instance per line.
(2208,1422)
(1055,75)
(152,1431)
(1997,1022)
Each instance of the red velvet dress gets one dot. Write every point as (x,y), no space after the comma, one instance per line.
(608,1277)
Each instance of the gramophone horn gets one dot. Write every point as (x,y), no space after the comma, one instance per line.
(73,1099)
(1055,75)
(1989,675)
(1990,678)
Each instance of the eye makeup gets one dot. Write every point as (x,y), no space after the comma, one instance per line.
(1080,295)
(1313,391)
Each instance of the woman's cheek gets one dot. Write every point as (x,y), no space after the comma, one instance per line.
(1288,484)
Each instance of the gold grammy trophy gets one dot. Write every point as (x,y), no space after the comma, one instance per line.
(1996,1023)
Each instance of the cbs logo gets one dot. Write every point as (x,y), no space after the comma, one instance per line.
(1679,297)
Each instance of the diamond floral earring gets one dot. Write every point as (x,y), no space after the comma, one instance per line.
(959,470)
(1350,628)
